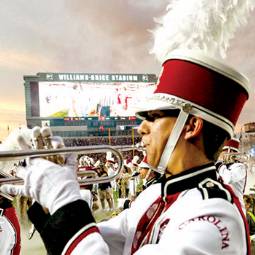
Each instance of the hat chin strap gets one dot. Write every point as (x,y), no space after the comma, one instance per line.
(172,141)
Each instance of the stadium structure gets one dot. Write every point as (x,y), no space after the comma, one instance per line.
(86,105)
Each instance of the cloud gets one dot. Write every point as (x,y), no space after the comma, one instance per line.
(20,61)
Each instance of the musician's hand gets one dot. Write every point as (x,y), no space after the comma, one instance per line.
(51,185)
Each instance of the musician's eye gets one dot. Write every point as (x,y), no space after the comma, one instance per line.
(152,116)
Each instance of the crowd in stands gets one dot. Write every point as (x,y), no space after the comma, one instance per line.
(114,141)
(101,140)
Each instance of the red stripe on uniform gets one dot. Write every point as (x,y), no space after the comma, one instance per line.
(147,221)
(239,207)
(11,216)
(80,238)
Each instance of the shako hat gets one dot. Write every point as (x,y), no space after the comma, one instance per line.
(231,144)
(200,85)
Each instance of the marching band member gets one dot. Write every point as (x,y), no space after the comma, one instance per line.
(105,189)
(133,180)
(110,165)
(124,178)
(10,236)
(232,171)
(86,190)
(10,239)
(185,122)
(158,220)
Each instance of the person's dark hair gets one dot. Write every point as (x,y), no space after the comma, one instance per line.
(214,138)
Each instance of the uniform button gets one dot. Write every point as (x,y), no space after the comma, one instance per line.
(209,185)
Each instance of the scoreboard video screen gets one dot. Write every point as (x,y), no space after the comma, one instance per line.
(60,95)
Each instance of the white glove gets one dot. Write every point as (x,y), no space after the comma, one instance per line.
(51,185)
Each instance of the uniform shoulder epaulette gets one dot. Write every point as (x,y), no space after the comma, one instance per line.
(210,188)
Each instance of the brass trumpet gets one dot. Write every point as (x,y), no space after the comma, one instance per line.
(235,156)
(22,154)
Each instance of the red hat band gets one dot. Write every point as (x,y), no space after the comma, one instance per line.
(214,91)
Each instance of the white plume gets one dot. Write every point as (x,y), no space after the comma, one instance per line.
(203,25)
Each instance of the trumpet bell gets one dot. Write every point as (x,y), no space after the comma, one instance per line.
(236,157)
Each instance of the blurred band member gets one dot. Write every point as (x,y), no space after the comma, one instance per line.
(10,239)
(105,189)
(231,169)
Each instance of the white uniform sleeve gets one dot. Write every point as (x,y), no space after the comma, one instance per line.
(114,232)
(114,236)
(7,236)
(91,244)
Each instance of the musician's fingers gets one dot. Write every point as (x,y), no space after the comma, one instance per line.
(13,190)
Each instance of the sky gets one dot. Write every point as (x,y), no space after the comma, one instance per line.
(89,36)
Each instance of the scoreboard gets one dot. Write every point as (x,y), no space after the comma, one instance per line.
(67,101)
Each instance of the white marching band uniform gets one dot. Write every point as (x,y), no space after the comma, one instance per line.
(9,232)
(202,209)
(191,212)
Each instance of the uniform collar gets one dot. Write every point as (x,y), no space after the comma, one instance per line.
(188,179)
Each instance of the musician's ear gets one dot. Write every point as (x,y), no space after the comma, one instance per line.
(193,128)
